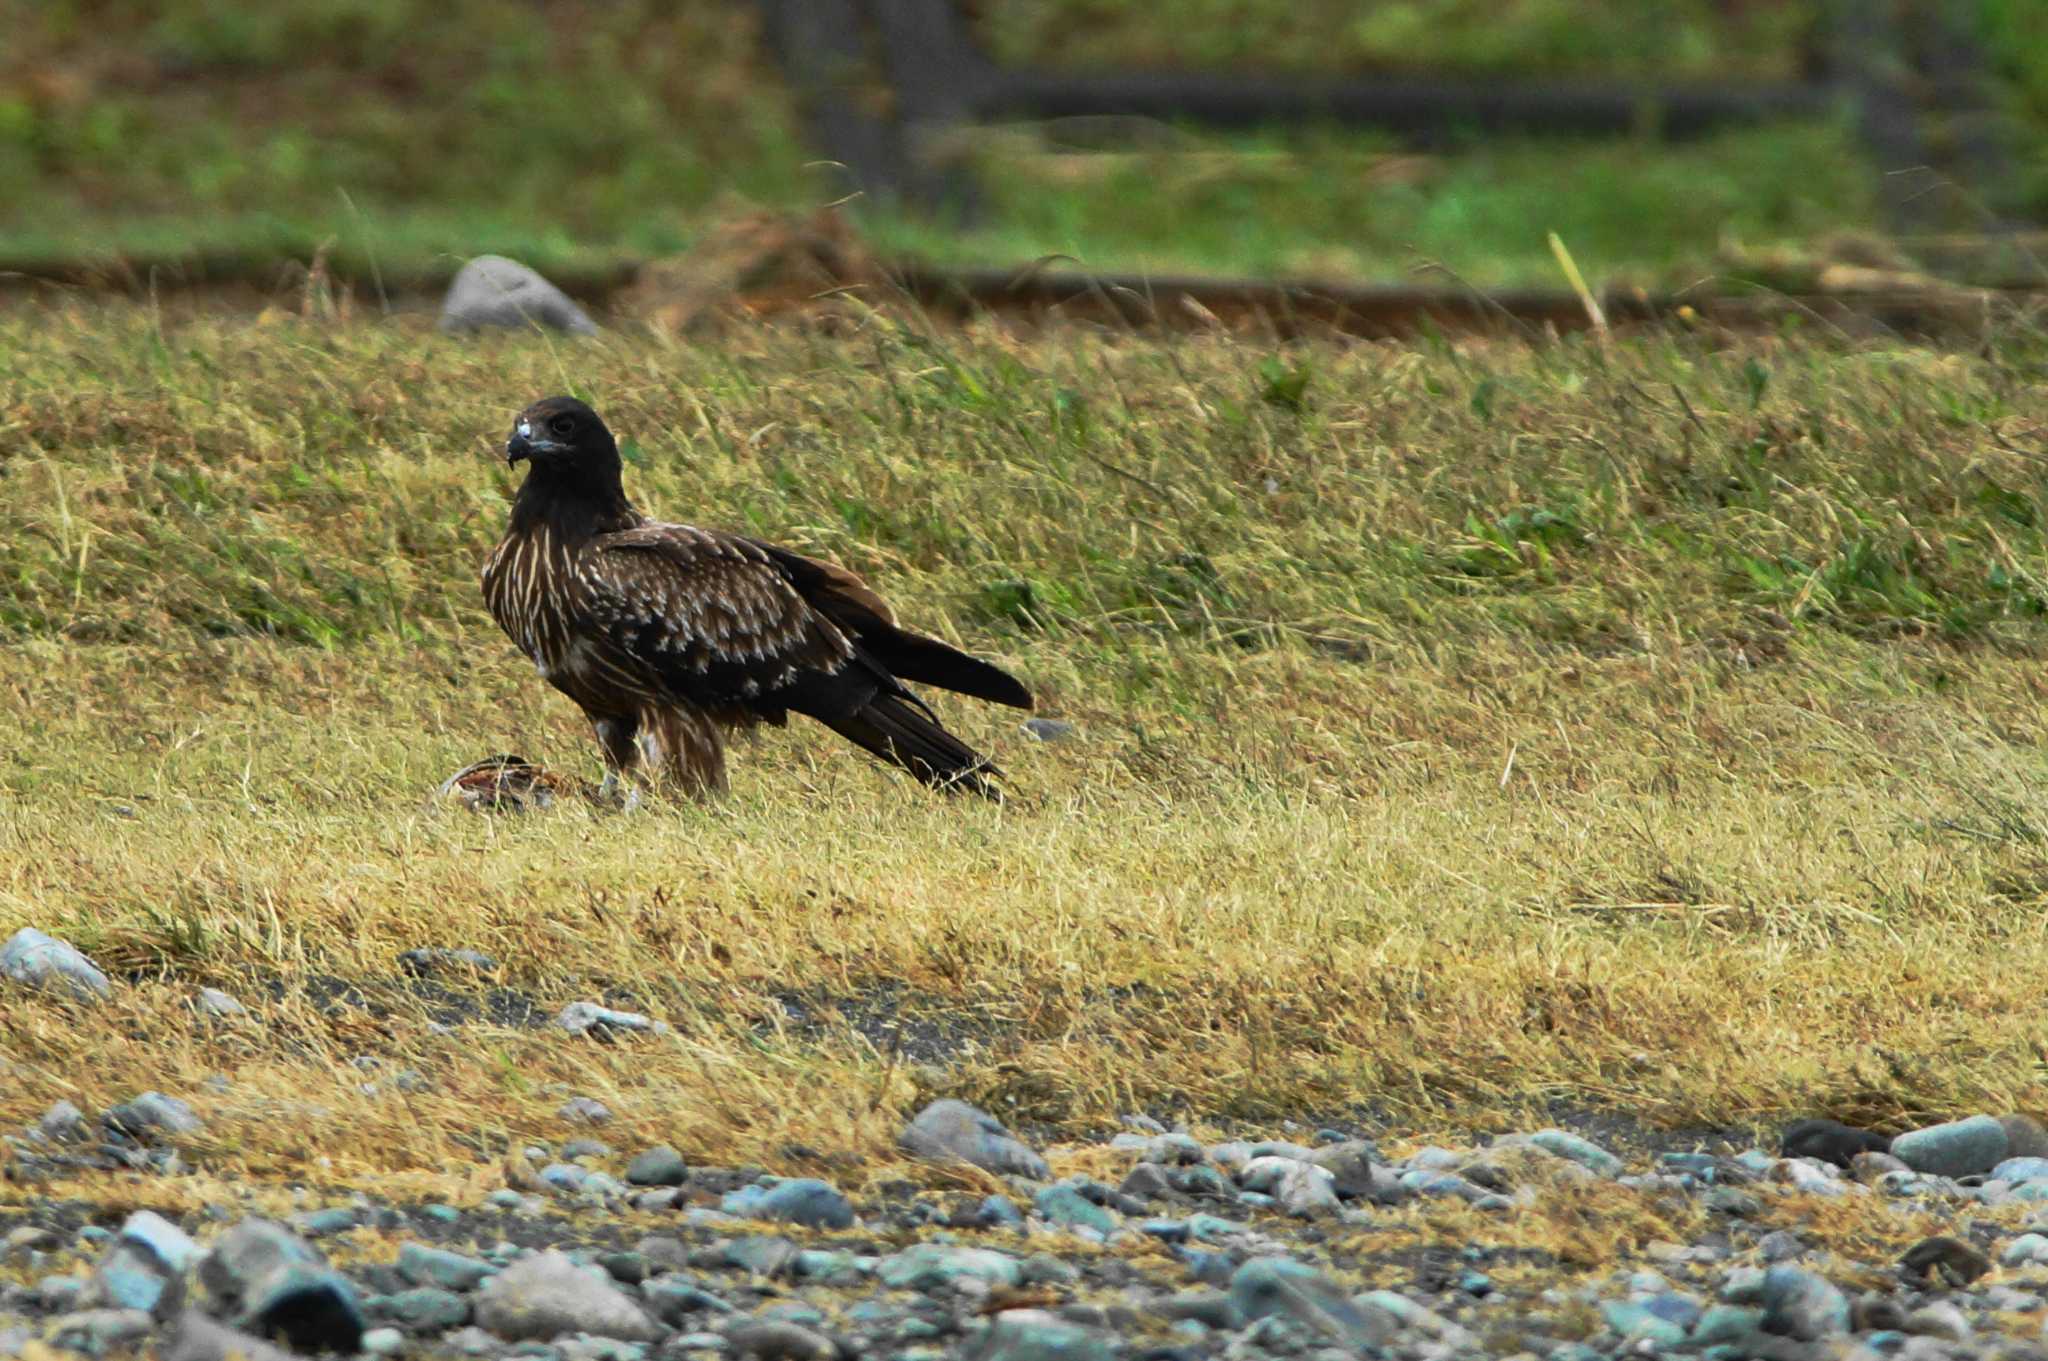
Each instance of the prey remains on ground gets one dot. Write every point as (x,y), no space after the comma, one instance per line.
(1456,732)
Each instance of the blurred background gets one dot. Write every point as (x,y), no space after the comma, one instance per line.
(1666,142)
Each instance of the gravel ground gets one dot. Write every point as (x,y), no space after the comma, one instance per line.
(1311,1244)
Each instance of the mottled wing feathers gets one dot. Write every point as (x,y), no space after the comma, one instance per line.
(865,617)
(716,619)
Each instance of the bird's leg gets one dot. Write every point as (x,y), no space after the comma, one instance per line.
(616,737)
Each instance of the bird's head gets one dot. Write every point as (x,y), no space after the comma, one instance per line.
(561,432)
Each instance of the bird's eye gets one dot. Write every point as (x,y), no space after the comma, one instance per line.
(563,425)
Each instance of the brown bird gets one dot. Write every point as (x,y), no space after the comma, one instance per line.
(670,636)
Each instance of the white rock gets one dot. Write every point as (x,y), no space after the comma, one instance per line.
(41,961)
(548,1296)
(494,291)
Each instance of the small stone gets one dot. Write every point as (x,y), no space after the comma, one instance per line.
(1065,1206)
(998,1212)
(762,1254)
(1829,1141)
(1781,1245)
(1726,1323)
(1584,1152)
(780,1340)
(603,1023)
(548,1295)
(425,1265)
(1948,1260)
(432,960)
(383,1342)
(2025,1137)
(936,1266)
(327,1223)
(195,1337)
(425,1309)
(1940,1319)
(1871,1167)
(949,1129)
(2029,1249)
(29,1238)
(802,1200)
(98,1331)
(152,1114)
(1047,729)
(144,1268)
(1038,1335)
(1799,1304)
(493,291)
(1960,1148)
(266,1280)
(1210,1308)
(1280,1287)
(216,1005)
(63,1123)
(583,1110)
(658,1166)
(43,962)
(577,1149)
(1638,1323)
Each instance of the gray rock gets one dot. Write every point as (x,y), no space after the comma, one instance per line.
(2020,1169)
(1780,1245)
(1869,1167)
(674,1298)
(153,1114)
(1960,1148)
(658,1166)
(423,1309)
(262,1278)
(383,1342)
(1210,1308)
(98,1331)
(1047,729)
(949,1129)
(584,1110)
(1726,1323)
(492,291)
(603,1023)
(423,1265)
(1799,1304)
(195,1337)
(1306,1191)
(40,961)
(801,1200)
(936,1266)
(1280,1287)
(63,1123)
(1065,1206)
(1584,1152)
(2029,1249)
(548,1295)
(143,1268)
(217,1005)
(1940,1319)
(2025,1137)
(780,1340)
(998,1212)
(1038,1335)
(434,960)
(327,1223)
(1639,1322)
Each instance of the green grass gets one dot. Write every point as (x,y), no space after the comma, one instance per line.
(1653,727)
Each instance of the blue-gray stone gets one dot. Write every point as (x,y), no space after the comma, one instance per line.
(505,1198)
(424,1309)
(566,1177)
(1584,1152)
(1755,1160)
(807,1201)
(2020,1169)
(674,1298)
(1726,1323)
(935,1266)
(1065,1206)
(1207,1228)
(1743,1285)
(1637,1322)
(1165,1230)
(1210,1268)
(999,1212)
(1732,1201)
(383,1342)
(1960,1148)
(144,1268)
(548,1296)
(152,1113)
(441,1214)
(658,1166)
(1476,1283)
(1425,1183)
(762,1254)
(949,1129)
(268,1281)
(493,291)
(326,1223)
(817,1264)
(40,961)
(1797,1303)
(164,1240)
(1280,1287)
(1702,1165)
(95,1332)
(2026,1250)
(1037,1335)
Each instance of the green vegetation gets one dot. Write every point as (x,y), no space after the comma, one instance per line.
(1654,726)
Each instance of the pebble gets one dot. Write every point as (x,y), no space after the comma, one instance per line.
(1065,1206)
(658,1166)
(604,1023)
(432,960)
(144,1267)
(1584,1152)
(1280,1287)
(43,962)
(548,1295)
(936,1266)
(327,1223)
(152,1114)
(1047,729)
(98,1331)
(424,1265)
(1799,1304)
(1960,1148)
(424,1308)
(584,1110)
(949,1129)
(383,1342)
(217,1005)
(781,1340)
(803,1200)
(1036,1335)
(493,291)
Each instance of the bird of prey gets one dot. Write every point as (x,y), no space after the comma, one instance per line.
(670,636)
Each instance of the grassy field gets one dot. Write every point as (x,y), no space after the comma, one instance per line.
(398,136)
(1462,730)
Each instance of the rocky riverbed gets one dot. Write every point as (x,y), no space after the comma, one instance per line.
(1837,1243)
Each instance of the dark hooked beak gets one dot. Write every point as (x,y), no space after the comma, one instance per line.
(516,448)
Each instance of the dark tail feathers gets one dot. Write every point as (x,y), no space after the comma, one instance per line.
(903,732)
(913,657)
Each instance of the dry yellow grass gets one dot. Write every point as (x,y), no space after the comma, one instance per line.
(1385,801)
